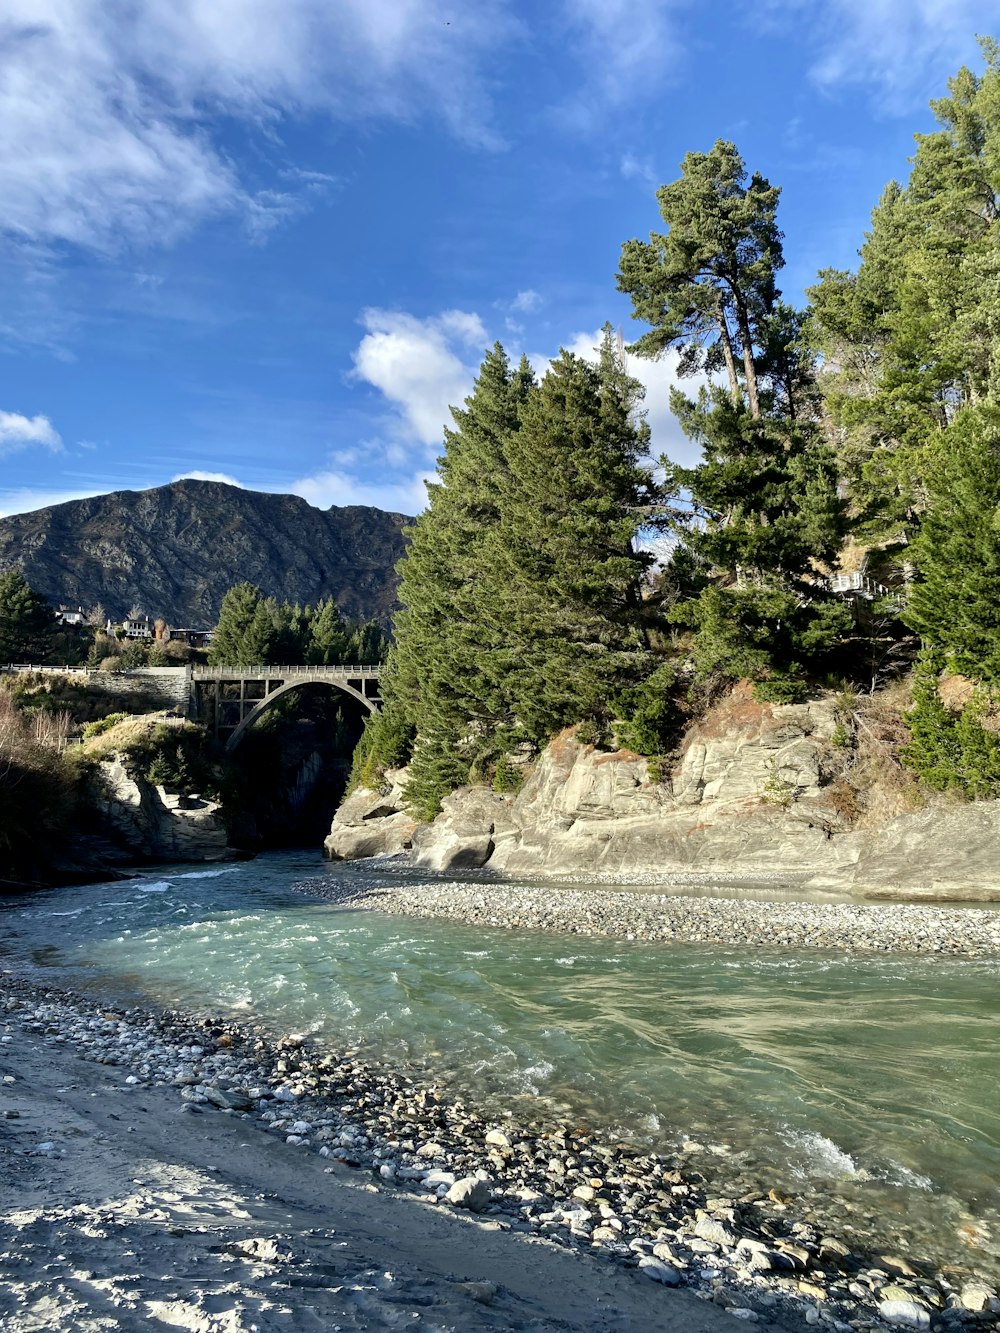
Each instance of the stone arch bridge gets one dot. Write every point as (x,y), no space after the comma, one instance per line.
(231,699)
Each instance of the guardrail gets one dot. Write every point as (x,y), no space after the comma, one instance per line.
(281,672)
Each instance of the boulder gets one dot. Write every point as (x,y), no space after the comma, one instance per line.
(463,837)
(371,823)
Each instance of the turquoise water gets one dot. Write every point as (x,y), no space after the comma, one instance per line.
(867,1083)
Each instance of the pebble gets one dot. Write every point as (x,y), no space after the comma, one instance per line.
(621,914)
(655,1214)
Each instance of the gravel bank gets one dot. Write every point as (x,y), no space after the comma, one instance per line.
(655,1221)
(872,927)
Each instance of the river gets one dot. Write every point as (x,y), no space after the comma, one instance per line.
(868,1084)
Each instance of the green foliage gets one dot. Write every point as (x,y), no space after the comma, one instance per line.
(521,597)
(951,751)
(761,509)
(841,737)
(102,724)
(437,768)
(27,623)
(954,606)
(762,632)
(254,630)
(508,778)
(707,283)
(231,644)
(914,335)
(386,743)
(651,721)
(777,791)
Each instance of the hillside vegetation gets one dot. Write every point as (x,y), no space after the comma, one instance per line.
(865,428)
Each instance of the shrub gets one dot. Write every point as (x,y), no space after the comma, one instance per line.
(507,777)
(102,724)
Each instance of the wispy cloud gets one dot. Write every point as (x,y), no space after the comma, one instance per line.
(898,49)
(407,495)
(21,432)
(111,110)
(198,475)
(634,168)
(625,49)
(25,499)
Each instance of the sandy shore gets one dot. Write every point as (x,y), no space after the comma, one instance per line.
(165,1172)
(123,1208)
(971,932)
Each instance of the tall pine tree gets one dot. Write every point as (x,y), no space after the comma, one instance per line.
(762,507)
(570,602)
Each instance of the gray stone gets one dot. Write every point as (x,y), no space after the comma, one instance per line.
(471,1193)
(903,1309)
(658,1271)
(976,1296)
(707,1228)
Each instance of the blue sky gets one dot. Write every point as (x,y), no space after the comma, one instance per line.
(269,241)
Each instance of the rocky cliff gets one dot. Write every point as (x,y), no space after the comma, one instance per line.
(748,798)
(175,550)
(151,823)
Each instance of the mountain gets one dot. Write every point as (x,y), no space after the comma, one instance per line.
(175,550)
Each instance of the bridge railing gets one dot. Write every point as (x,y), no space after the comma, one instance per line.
(281,672)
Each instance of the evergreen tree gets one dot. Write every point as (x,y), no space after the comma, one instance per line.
(366,645)
(27,623)
(954,606)
(446,674)
(914,335)
(569,596)
(236,616)
(328,636)
(706,285)
(762,507)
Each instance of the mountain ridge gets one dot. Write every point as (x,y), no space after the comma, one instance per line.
(176,549)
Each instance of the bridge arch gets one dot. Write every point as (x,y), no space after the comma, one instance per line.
(305,678)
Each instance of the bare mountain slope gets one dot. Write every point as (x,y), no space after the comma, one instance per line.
(175,550)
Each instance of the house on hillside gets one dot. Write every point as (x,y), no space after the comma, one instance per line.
(137,627)
(194,638)
(71,615)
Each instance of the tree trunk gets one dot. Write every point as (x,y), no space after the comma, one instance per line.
(727,350)
(743,324)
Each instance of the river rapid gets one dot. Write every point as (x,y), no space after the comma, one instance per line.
(865,1085)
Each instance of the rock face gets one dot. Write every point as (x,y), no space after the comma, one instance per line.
(748,790)
(175,550)
(371,823)
(746,799)
(156,825)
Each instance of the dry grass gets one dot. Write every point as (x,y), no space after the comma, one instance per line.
(131,734)
(874,782)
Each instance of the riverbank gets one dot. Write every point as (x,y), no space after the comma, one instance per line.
(630,914)
(194,1172)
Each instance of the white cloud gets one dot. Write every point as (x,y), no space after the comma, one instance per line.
(638,168)
(902,49)
(25,499)
(20,432)
(526,301)
(197,475)
(419,365)
(109,107)
(404,496)
(626,49)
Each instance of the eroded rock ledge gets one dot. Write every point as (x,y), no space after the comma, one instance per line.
(748,798)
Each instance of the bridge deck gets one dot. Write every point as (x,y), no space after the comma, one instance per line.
(283,672)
